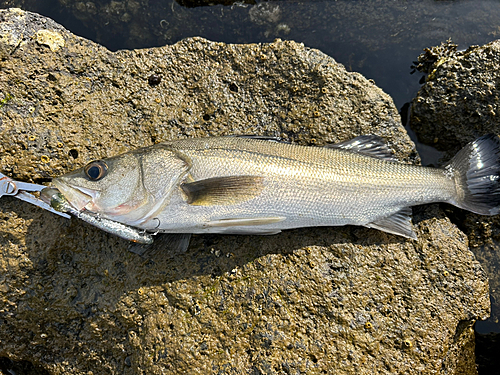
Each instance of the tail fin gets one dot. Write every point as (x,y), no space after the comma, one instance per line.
(477,173)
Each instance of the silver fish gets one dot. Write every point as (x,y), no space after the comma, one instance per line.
(241,185)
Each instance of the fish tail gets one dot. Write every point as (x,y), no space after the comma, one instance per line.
(476,169)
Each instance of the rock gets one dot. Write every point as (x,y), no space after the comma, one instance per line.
(458,103)
(321,300)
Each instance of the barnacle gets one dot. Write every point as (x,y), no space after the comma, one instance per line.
(5,100)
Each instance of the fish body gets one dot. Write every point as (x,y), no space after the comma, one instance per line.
(239,185)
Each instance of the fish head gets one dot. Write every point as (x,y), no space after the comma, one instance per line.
(129,188)
(107,187)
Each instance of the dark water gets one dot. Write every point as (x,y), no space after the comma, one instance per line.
(379,39)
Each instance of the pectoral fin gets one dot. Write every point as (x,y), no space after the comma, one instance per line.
(398,223)
(223,190)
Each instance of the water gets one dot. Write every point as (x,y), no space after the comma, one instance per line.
(378,38)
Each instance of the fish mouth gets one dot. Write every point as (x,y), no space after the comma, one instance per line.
(79,197)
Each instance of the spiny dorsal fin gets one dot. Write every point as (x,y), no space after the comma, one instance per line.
(223,190)
(398,223)
(369,145)
(262,138)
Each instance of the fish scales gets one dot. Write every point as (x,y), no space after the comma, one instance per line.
(326,186)
(253,186)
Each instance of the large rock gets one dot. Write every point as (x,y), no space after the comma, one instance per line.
(459,102)
(321,300)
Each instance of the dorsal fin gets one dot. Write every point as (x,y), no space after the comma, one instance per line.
(369,145)
(262,138)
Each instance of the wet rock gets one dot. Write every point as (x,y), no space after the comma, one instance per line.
(321,300)
(458,103)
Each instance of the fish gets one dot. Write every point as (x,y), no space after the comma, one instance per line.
(260,186)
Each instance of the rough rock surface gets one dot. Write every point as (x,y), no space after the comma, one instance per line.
(322,300)
(459,102)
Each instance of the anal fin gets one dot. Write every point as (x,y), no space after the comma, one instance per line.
(398,223)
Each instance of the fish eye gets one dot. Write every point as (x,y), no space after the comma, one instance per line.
(96,170)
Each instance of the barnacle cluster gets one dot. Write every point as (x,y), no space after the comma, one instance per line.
(434,56)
